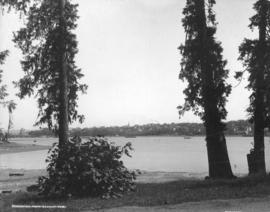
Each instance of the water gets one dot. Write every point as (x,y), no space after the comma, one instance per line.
(170,154)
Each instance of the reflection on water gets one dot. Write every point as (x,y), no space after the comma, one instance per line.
(171,154)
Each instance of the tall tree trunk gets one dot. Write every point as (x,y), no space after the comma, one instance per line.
(218,160)
(259,120)
(63,113)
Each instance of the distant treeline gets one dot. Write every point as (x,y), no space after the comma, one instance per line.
(236,128)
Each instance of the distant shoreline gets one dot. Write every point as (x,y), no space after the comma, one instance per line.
(136,136)
(234,128)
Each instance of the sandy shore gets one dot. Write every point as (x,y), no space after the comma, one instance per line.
(30,177)
(12,147)
(17,183)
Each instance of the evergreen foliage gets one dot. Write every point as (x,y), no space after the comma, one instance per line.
(191,70)
(250,53)
(20,5)
(203,67)
(40,41)
(255,56)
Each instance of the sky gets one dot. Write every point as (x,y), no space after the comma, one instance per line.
(128,54)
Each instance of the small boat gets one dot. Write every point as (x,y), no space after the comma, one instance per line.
(187,137)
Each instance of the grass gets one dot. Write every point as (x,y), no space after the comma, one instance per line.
(152,194)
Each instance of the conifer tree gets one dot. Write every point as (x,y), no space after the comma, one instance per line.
(49,46)
(203,67)
(255,54)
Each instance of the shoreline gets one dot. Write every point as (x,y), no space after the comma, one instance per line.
(151,196)
(12,147)
(122,136)
(30,177)
(145,177)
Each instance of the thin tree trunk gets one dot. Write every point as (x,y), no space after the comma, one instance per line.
(9,127)
(63,113)
(259,120)
(218,160)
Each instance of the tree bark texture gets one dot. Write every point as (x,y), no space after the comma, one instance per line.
(259,120)
(63,112)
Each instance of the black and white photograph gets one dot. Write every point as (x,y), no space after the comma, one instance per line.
(134,105)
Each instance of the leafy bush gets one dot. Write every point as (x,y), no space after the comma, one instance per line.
(92,168)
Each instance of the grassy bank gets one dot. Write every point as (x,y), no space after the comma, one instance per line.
(152,194)
(7,148)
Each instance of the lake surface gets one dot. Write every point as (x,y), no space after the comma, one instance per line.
(170,154)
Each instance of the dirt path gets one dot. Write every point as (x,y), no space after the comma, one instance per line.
(234,205)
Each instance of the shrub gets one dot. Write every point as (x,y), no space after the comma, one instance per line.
(92,168)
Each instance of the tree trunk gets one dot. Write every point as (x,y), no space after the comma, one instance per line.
(9,126)
(63,112)
(259,121)
(218,160)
